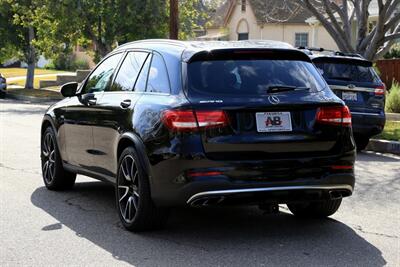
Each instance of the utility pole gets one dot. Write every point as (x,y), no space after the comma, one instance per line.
(173,19)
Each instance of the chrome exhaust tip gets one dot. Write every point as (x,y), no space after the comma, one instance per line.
(207,201)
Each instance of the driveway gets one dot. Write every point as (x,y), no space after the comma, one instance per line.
(81,227)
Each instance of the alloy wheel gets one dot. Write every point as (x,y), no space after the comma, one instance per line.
(49,151)
(128,188)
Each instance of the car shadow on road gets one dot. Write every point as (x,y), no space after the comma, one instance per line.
(209,236)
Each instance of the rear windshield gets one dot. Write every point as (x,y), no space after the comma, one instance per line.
(347,72)
(250,77)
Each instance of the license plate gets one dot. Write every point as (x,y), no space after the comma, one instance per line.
(273,122)
(349,96)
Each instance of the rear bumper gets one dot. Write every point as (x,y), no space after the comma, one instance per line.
(368,124)
(282,181)
(278,194)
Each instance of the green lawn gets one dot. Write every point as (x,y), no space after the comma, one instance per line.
(391,131)
(36,80)
(15,72)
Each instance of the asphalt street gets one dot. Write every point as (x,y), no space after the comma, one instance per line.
(81,227)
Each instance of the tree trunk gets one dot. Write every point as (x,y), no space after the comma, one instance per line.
(173,19)
(338,20)
(30,60)
(101,48)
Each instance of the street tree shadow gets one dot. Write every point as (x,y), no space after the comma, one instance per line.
(234,236)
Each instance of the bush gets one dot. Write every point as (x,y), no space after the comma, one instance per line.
(50,66)
(393,53)
(63,62)
(68,62)
(393,98)
(80,64)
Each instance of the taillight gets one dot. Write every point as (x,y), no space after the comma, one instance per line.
(211,118)
(334,115)
(189,120)
(380,90)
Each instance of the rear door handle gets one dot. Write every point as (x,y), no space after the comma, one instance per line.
(126,103)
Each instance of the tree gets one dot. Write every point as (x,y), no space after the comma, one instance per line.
(193,14)
(19,32)
(173,19)
(9,39)
(337,17)
(107,23)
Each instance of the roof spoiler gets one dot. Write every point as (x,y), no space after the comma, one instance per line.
(247,53)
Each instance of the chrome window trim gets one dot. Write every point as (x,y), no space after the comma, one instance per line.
(366,113)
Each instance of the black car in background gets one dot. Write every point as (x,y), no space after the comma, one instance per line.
(354,80)
(3,85)
(174,123)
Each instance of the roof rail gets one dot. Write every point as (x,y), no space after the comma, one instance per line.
(317,49)
(164,41)
(321,49)
(339,53)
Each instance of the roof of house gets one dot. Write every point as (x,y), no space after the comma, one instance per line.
(270,11)
(278,11)
(220,15)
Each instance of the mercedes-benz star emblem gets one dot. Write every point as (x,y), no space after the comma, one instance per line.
(273,99)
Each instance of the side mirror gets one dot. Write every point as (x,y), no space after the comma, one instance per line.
(69,89)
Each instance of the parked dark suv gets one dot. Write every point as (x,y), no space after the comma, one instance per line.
(353,79)
(203,123)
(3,85)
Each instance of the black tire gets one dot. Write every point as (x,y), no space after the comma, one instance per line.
(55,177)
(361,142)
(136,209)
(318,209)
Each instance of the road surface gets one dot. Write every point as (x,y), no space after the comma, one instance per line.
(81,227)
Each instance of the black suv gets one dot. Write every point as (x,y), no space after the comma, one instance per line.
(203,123)
(353,79)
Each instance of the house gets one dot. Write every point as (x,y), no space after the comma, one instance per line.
(279,20)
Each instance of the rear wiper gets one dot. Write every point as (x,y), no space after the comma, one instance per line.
(283,88)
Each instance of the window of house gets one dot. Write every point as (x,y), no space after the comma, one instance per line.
(243,36)
(301,39)
(243,5)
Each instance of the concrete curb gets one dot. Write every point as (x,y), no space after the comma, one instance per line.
(393,116)
(32,99)
(384,146)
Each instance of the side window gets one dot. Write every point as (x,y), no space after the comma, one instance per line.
(129,71)
(100,78)
(141,82)
(158,77)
